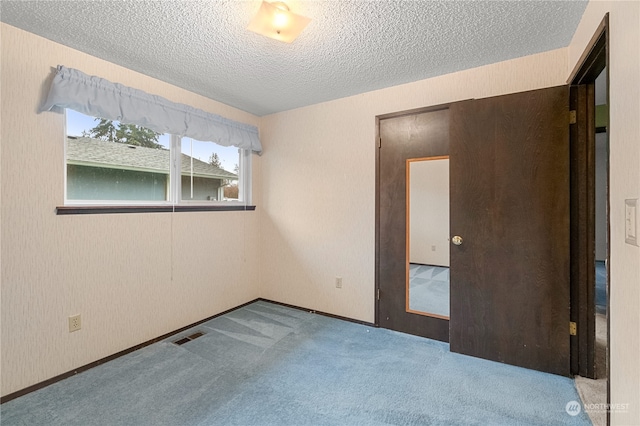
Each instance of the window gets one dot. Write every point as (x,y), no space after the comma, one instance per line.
(112,163)
(209,171)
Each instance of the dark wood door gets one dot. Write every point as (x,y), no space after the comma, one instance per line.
(509,181)
(415,135)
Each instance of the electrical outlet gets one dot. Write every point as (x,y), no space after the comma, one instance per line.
(338,282)
(75,323)
(433,248)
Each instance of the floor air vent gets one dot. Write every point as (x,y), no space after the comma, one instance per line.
(189,338)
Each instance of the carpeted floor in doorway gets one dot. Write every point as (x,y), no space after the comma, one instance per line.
(265,364)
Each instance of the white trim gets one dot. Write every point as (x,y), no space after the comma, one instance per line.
(244,177)
(176,170)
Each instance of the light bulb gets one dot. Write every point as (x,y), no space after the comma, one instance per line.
(280,20)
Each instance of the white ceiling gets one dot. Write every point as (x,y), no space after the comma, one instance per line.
(350,46)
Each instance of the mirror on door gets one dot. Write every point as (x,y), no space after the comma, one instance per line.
(428,236)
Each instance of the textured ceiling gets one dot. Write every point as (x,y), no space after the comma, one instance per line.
(350,46)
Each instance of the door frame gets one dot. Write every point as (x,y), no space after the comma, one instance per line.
(593,60)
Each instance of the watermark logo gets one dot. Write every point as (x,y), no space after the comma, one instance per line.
(603,408)
(573,408)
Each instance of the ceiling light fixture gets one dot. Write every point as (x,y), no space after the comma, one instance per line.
(276,21)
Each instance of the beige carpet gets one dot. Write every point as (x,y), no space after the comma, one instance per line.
(595,391)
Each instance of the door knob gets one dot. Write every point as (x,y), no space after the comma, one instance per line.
(457,240)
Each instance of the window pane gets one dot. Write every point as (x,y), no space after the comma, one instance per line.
(209,171)
(111,161)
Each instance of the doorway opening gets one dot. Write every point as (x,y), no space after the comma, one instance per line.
(601,225)
(590,248)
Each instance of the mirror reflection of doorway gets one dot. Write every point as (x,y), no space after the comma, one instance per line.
(428,236)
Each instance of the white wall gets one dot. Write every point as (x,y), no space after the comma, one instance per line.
(429,212)
(624,145)
(318,173)
(132,277)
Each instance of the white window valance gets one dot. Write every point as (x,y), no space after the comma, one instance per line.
(101,98)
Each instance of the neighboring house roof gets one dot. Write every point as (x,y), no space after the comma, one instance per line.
(97,153)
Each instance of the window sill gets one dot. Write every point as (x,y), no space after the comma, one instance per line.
(69,210)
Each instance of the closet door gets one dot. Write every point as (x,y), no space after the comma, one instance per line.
(414,135)
(509,192)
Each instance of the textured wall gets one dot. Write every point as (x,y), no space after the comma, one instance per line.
(318,175)
(624,142)
(132,277)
